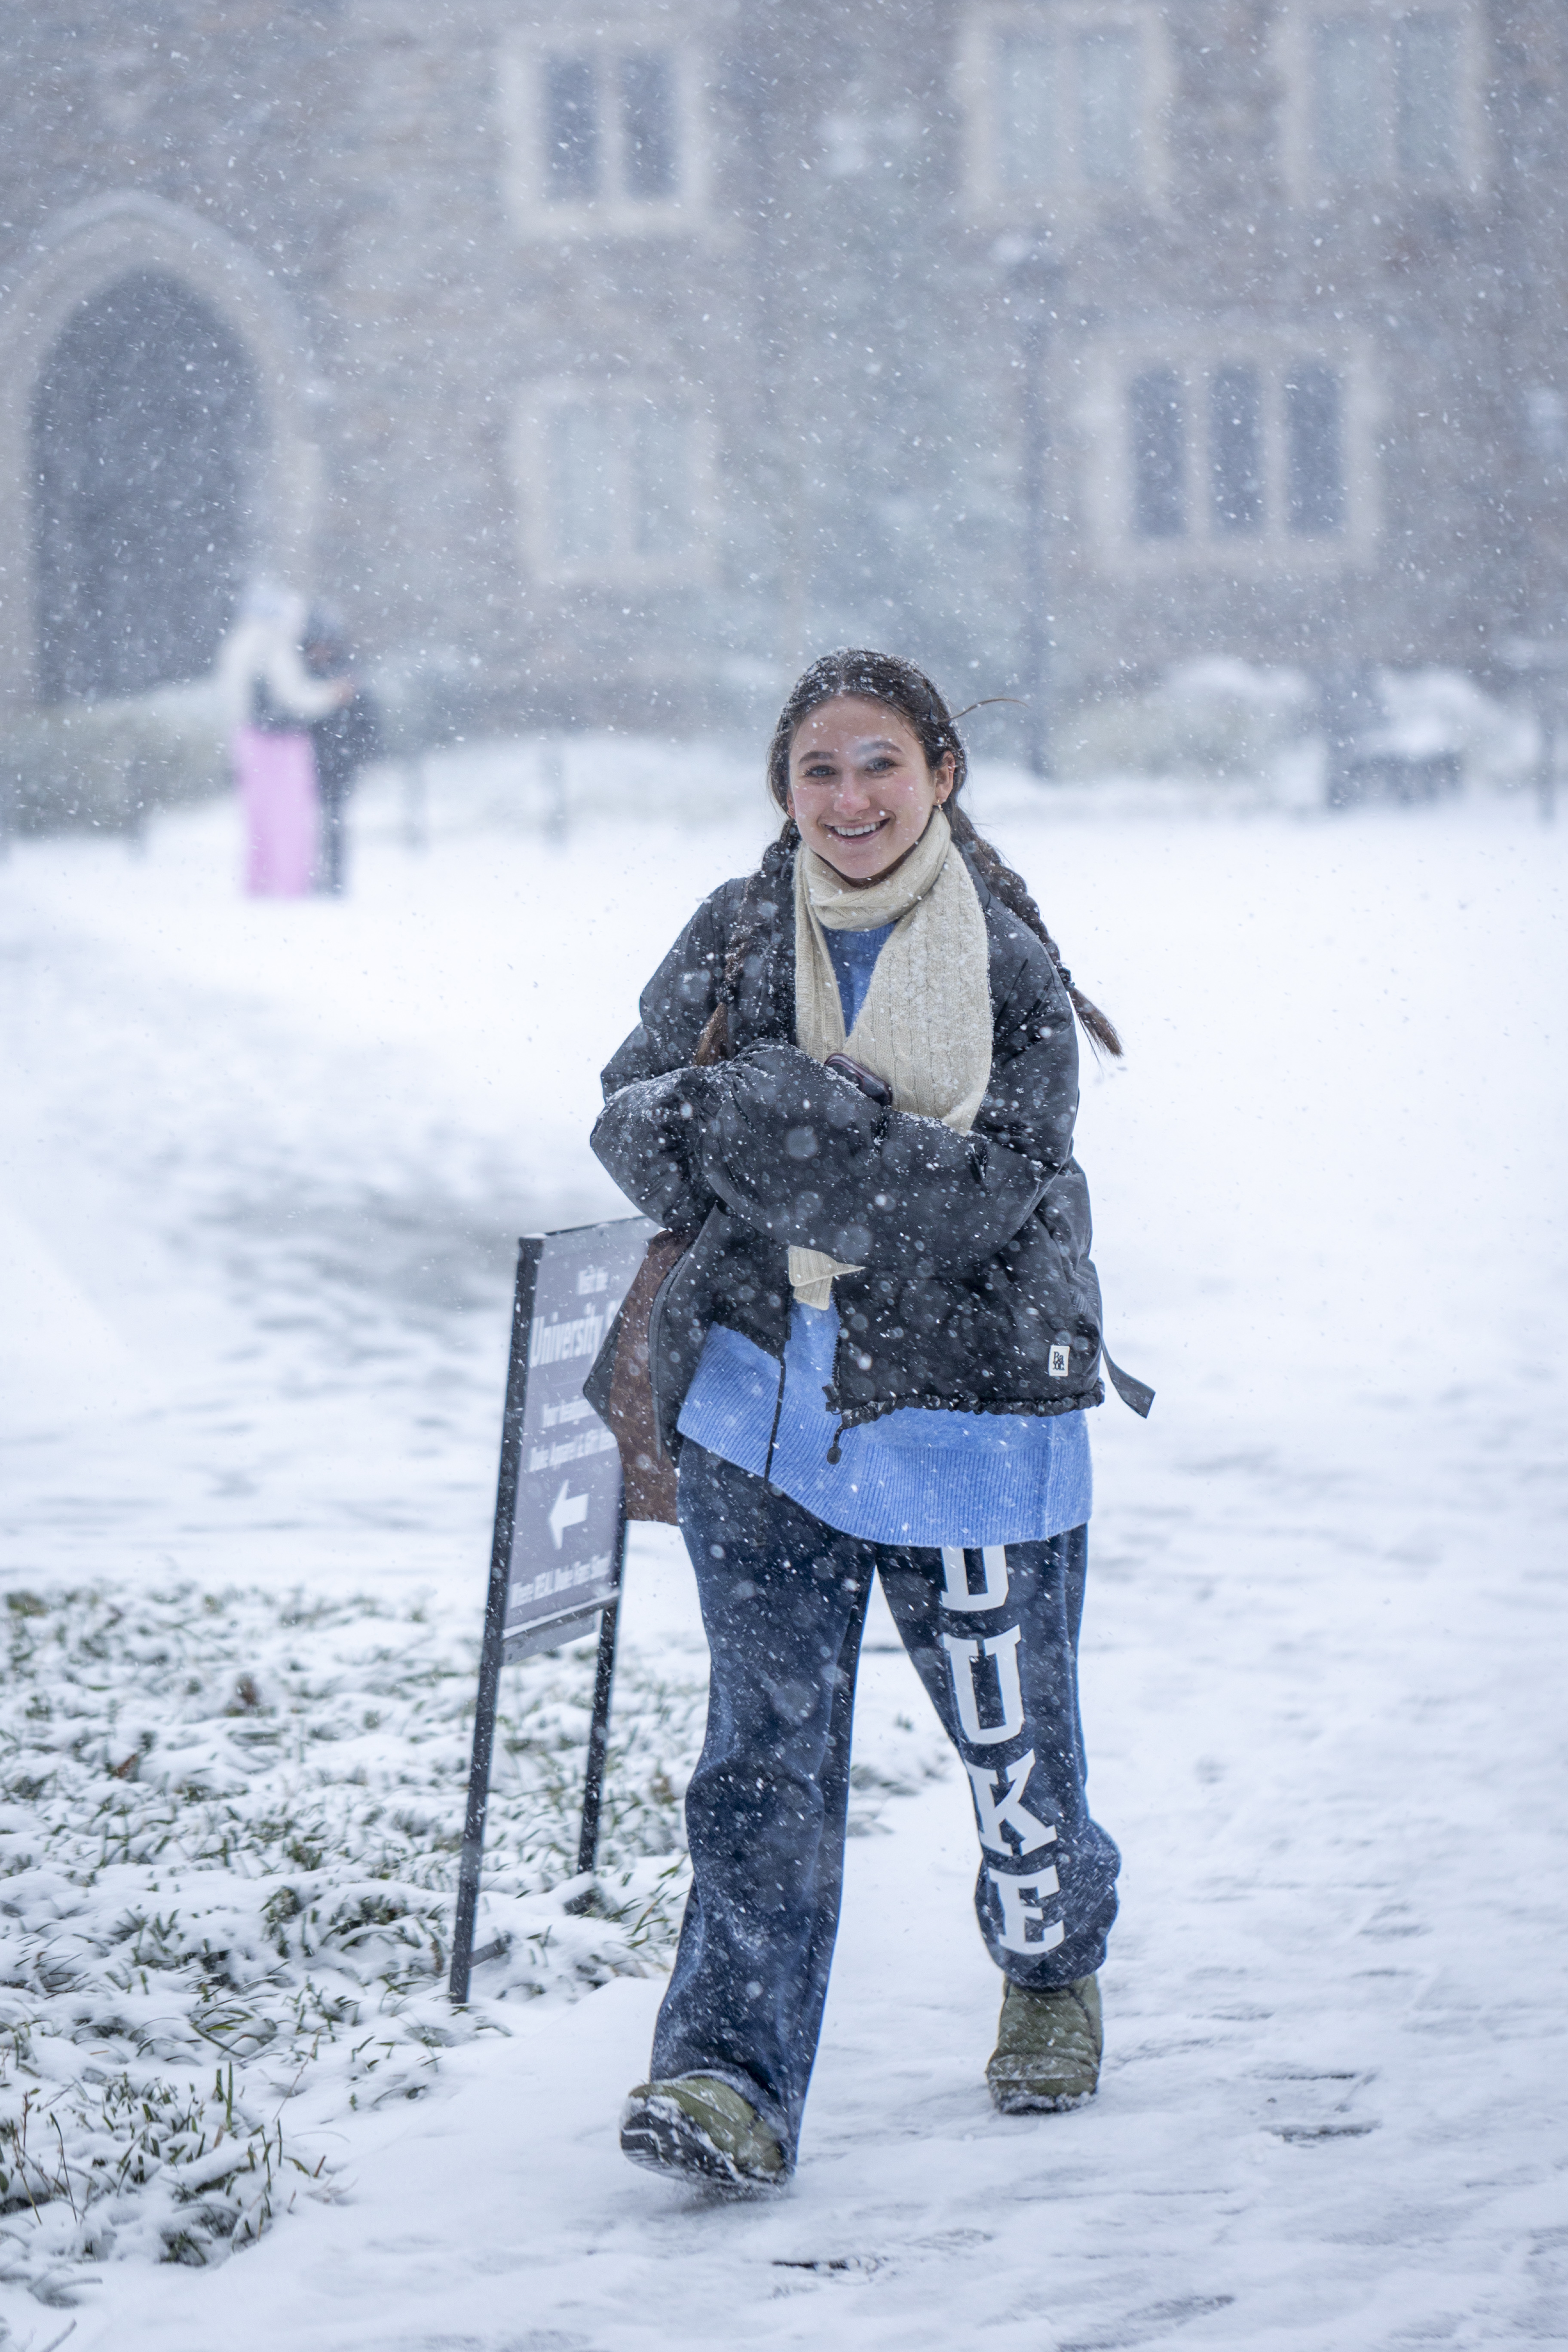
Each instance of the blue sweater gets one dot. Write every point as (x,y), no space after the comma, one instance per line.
(915,1478)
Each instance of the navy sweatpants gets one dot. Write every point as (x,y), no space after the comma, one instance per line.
(994,1636)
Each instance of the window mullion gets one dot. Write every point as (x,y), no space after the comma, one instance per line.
(1272,393)
(612,126)
(1391,170)
(624,486)
(1069,104)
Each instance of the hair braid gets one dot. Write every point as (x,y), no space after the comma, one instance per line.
(1014,893)
(713,1045)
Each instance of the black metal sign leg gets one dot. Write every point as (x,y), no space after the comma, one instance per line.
(479,1801)
(494,1645)
(599,1736)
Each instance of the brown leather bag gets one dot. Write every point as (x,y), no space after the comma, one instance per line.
(647,1471)
(620,1386)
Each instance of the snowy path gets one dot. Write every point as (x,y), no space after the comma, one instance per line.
(267,1163)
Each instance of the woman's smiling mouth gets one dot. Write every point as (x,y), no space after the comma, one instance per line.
(855,832)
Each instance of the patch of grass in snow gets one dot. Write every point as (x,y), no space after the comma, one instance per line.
(229,1826)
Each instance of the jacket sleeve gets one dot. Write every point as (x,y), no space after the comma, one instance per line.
(804,1157)
(1031,1103)
(643,1135)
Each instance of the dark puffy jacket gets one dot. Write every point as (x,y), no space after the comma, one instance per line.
(974,1248)
(346,740)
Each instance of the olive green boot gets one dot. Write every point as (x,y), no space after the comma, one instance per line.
(1049,2046)
(700,2126)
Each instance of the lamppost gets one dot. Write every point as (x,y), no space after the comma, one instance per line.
(1034,278)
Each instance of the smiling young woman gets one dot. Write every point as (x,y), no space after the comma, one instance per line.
(853,1087)
(860,793)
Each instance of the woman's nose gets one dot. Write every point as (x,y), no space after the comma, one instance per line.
(852,791)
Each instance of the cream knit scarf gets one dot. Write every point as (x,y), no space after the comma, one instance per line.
(925,1025)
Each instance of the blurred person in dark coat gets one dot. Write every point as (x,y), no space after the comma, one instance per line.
(346,739)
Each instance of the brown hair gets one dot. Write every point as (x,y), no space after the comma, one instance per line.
(901,688)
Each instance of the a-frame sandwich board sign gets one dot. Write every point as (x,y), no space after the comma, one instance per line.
(559,1543)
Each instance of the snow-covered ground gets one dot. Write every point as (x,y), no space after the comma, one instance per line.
(261,1171)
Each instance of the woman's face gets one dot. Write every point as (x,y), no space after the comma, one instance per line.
(860,788)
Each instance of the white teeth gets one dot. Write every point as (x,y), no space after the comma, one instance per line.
(854,832)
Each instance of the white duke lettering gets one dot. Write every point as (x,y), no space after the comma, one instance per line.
(956,1591)
(963,1656)
(995,1814)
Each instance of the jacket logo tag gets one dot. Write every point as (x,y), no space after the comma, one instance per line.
(1061,1363)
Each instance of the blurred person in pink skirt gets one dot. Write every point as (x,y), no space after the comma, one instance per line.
(276,701)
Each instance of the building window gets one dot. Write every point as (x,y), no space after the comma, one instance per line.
(1064,110)
(1315,467)
(1157,416)
(663,503)
(579,488)
(1426,96)
(609,134)
(1347,110)
(648,126)
(604,135)
(1384,95)
(1164,417)
(1109,78)
(1241,457)
(1236,450)
(614,487)
(1028,144)
(571,130)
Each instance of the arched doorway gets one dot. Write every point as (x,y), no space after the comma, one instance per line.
(146,423)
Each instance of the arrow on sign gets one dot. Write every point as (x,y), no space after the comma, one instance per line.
(566,1511)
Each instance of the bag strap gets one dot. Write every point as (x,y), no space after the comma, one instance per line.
(1135,1394)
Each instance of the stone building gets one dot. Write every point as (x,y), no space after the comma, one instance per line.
(603,361)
